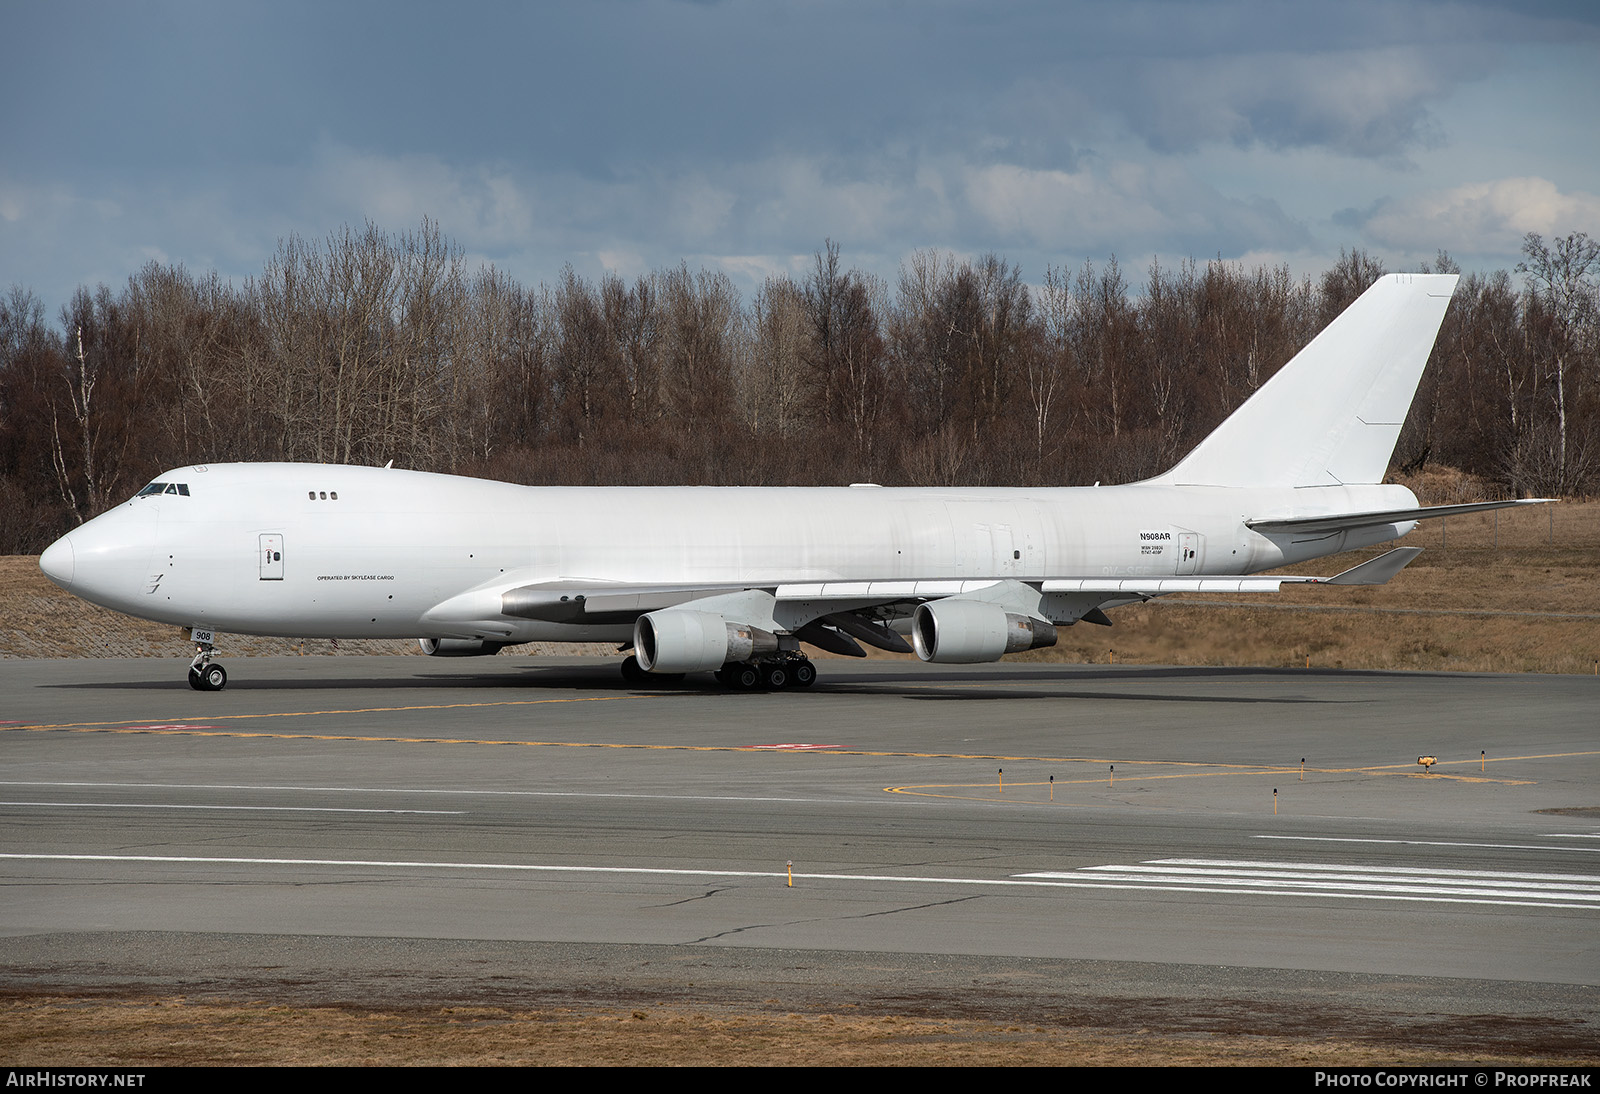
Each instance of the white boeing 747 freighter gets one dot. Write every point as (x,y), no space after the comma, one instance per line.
(733,580)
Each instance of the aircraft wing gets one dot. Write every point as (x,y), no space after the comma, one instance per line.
(852,609)
(1342,522)
(565,601)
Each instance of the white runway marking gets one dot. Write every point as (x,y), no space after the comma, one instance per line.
(1169,875)
(1353,882)
(1431,843)
(239,808)
(436,790)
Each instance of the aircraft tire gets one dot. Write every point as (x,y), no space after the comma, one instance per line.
(741,677)
(196,681)
(775,675)
(213,678)
(802,674)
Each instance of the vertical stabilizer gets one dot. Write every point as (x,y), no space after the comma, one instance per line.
(1332,415)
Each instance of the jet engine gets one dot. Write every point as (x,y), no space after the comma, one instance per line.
(460,647)
(676,640)
(968,631)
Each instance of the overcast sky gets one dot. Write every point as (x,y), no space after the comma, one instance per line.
(629,136)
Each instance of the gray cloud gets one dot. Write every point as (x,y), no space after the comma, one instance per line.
(633,135)
(1481,217)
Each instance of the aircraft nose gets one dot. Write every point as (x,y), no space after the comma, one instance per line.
(57,562)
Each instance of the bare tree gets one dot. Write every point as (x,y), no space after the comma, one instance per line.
(774,378)
(1351,276)
(1561,278)
(97,395)
(1052,356)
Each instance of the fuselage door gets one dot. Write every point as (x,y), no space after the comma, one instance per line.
(1188,552)
(271,556)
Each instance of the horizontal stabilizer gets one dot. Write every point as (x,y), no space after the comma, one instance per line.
(1343,522)
(1374,571)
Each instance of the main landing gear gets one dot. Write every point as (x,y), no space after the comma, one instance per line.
(787,672)
(782,672)
(205,674)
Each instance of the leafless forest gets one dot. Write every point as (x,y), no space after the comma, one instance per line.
(367,347)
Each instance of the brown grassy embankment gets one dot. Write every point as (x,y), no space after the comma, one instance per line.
(177,1032)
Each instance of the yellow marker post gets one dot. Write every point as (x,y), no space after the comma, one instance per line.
(1113,781)
(1052,788)
(1483,758)
(1302,769)
(1274,801)
(1001,775)
(791,873)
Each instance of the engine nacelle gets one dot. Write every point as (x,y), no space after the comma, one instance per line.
(962,632)
(678,640)
(460,647)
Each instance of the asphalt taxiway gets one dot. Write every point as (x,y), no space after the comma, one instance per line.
(1188,827)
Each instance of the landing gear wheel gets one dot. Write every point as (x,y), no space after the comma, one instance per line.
(774,675)
(211,677)
(802,674)
(739,677)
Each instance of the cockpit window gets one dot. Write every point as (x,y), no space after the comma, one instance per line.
(181,488)
(153,488)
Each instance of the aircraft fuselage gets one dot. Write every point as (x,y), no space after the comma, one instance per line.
(316,550)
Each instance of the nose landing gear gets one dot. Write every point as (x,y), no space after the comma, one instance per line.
(204,674)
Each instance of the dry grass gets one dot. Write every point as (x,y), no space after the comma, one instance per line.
(174,1032)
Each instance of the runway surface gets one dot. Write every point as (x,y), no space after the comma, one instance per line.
(345,826)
